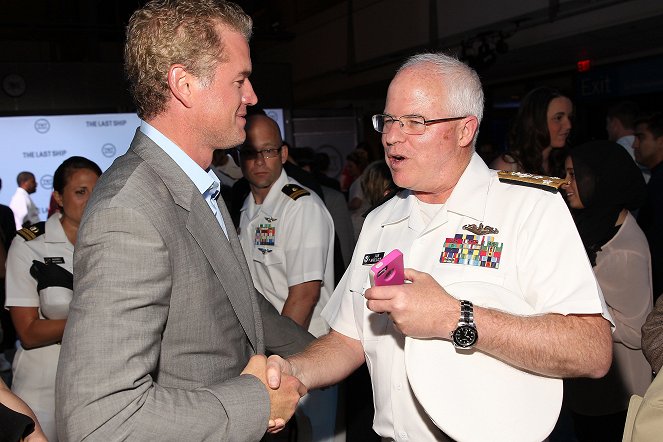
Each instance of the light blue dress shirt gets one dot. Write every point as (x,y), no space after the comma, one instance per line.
(206,181)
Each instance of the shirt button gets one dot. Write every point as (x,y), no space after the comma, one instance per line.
(398,387)
(402,435)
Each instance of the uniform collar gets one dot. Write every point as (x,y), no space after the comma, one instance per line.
(271,198)
(470,195)
(468,198)
(54,232)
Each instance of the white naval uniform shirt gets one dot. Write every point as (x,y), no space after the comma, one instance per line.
(287,242)
(53,302)
(35,369)
(542,268)
(24,208)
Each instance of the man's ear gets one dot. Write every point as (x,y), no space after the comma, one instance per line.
(467,131)
(284,153)
(180,83)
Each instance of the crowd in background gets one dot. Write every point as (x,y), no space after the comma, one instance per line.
(613,189)
(617,213)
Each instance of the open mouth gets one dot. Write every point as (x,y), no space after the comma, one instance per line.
(396,158)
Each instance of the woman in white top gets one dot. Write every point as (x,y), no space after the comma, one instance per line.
(39,288)
(604,185)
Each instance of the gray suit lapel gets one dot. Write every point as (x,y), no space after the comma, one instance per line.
(205,229)
(241,259)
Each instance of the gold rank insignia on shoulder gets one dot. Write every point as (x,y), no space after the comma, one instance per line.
(481,229)
(33,231)
(549,183)
(294,191)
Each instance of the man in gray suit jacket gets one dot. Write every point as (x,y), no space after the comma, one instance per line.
(166,332)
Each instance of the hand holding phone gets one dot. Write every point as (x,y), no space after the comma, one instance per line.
(389,270)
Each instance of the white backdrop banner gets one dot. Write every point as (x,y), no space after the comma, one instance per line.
(39,144)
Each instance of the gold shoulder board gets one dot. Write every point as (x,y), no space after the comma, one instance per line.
(294,191)
(549,183)
(31,232)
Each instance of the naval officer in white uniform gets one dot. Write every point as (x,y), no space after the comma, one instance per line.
(501,301)
(287,235)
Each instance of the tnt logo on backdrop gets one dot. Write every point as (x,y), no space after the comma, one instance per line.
(42,125)
(108,150)
(46,182)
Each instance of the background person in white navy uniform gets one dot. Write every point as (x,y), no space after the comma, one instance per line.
(39,288)
(287,236)
(511,250)
(25,211)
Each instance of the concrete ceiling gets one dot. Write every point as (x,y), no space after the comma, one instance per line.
(84,31)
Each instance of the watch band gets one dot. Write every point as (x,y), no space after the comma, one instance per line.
(466,313)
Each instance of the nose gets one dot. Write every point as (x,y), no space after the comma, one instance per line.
(260,158)
(393,135)
(249,96)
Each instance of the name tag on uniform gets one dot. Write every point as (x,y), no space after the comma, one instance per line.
(473,250)
(54,260)
(372,258)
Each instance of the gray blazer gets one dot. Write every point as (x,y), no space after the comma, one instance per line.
(164,315)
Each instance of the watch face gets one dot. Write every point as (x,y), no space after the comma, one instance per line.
(465,336)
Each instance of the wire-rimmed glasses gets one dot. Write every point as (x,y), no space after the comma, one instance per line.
(248,153)
(410,124)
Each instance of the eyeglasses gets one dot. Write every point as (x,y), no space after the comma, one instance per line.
(247,153)
(410,124)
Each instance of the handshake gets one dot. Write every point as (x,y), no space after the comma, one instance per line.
(284,389)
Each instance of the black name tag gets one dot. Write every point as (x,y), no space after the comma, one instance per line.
(54,260)
(372,258)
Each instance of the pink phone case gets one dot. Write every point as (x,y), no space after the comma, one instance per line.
(389,270)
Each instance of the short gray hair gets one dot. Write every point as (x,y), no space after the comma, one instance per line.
(463,84)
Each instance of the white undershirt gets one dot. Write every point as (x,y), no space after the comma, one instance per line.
(429,210)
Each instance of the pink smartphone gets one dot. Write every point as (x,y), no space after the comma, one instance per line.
(389,270)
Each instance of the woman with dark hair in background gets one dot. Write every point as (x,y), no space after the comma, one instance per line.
(541,127)
(39,288)
(375,182)
(604,185)
(355,163)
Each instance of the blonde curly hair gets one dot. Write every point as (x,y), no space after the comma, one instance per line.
(167,32)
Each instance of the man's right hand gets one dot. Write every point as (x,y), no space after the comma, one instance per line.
(276,365)
(284,394)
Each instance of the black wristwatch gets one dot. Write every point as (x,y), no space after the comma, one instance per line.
(465,335)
